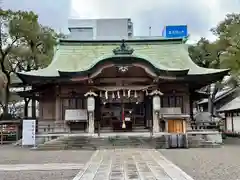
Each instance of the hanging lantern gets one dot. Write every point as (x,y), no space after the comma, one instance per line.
(123,120)
(135,94)
(123,125)
(113,96)
(124,93)
(118,94)
(106,94)
(100,94)
(129,93)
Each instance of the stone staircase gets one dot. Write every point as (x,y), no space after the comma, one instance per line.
(93,143)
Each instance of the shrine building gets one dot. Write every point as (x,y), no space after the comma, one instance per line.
(101,86)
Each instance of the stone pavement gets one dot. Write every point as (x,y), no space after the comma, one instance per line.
(42,167)
(130,164)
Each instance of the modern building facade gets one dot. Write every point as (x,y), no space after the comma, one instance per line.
(100,29)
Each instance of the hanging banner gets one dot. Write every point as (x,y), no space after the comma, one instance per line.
(29,132)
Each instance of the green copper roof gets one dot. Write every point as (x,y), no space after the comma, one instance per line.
(81,56)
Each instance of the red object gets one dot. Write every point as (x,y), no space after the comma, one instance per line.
(123,115)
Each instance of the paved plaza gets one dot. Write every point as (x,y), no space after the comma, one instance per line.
(130,164)
(115,164)
(201,164)
(18,163)
(208,163)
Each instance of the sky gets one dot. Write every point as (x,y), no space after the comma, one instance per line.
(199,15)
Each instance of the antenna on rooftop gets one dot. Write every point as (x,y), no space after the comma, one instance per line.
(150,31)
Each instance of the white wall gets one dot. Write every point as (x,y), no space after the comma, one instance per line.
(102,29)
(229,123)
(233,122)
(236,123)
(112,28)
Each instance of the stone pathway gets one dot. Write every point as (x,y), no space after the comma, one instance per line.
(41,167)
(130,164)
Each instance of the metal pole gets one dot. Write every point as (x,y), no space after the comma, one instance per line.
(99,128)
(150,31)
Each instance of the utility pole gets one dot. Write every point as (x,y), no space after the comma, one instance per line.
(150,31)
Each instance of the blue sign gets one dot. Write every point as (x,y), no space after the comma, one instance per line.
(180,31)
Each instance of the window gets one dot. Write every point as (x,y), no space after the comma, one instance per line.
(73,103)
(172,101)
(83,29)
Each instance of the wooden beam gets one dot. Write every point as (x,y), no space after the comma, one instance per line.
(109,80)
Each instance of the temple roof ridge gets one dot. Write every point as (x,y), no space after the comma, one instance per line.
(80,56)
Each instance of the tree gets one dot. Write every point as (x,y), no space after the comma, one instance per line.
(223,53)
(229,31)
(200,53)
(206,54)
(24,45)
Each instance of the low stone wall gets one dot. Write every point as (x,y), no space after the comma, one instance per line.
(204,139)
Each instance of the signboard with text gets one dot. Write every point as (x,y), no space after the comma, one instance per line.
(29,132)
(76,115)
(178,31)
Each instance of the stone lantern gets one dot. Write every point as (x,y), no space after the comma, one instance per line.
(156,100)
(90,108)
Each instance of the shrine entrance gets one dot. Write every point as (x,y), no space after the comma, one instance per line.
(125,116)
(124,103)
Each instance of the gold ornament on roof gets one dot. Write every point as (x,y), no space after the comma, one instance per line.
(123,49)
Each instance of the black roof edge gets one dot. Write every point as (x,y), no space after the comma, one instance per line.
(119,41)
(226,94)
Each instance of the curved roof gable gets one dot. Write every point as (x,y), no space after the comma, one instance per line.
(80,56)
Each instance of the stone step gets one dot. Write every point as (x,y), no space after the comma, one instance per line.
(81,142)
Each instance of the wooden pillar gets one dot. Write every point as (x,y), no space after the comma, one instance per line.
(1,134)
(148,111)
(166,125)
(33,108)
(191,106)
(232,121)
(98,114)
(59,124)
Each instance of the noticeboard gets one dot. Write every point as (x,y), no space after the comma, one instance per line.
(76,115)
(29,132)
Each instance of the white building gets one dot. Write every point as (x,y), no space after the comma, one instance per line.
(100,29)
